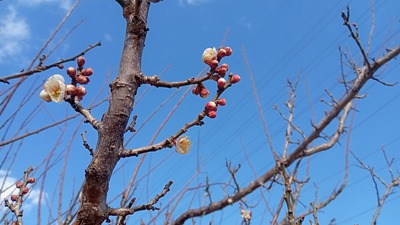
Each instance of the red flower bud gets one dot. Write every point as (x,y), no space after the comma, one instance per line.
(31,180)
(14,198)
(228,51)
(235,79)
(18,184)
(82,79)
(80,91)
(221,71)
(71,71)
(204,93)
(221,53)
(213,64)
(80,61)
(212,114)
(224,65)
(211,106)
(87,72)
(221,101)
(221,83)
(25,190)
(196,90)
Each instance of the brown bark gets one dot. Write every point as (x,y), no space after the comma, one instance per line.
(94,208)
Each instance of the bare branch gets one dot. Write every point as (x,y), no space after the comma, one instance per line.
(148,206)
(41,68)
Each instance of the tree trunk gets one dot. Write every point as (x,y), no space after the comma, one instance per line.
(94,208)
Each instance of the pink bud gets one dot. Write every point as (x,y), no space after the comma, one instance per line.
(224,65)
(70,89)
(221,101)
(14,198)
(87,72)
(31,180)
(82,79)
(235,79)
(80,61)
(211,106)
(212,114)
(221,83)
(221,71)
(18,184)
(25,190)
(221,53)
(196,90)
(228,51)
(71,71)
(204,93)
(80,91)
(213,64)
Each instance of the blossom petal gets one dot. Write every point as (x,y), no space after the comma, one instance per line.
(44,96)
(183,145)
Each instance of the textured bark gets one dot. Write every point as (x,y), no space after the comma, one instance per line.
(94,208)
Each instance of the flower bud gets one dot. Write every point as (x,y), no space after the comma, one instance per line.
(211,106)
(235,79)
(213,64)
(82,79)
(221,71)
(31,180)
(80,91)
(212,114)
(80,61)
(228,51)
(221,101)
(87,72)
(196,90)
(14,198)
(221,83)
(224,65)
(70,89)
(18,184)
(204,93)
(60,66)
(71,71)
(25,190)
(221,53)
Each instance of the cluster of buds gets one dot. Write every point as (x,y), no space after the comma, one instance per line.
(56,90)
(201,90)
(212,106)
(23,189)
(212,58)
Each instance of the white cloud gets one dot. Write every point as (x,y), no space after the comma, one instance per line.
(13,31)
(64,4)
(193,2)
(9,189)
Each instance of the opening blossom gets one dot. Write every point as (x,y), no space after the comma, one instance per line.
(54,89)
(183,145)
(209,54)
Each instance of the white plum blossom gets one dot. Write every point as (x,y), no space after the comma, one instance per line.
(209,54)
(183,145)
(44,96)
(54,89)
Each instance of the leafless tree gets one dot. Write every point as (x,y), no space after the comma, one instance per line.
(90,204)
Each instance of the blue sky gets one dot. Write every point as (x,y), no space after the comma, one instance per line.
(282,40)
